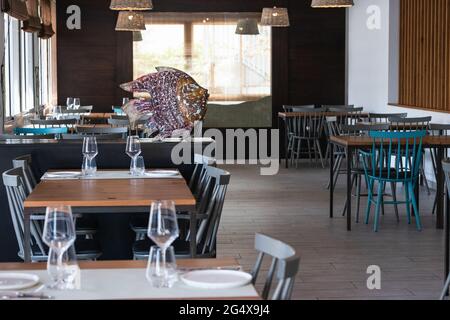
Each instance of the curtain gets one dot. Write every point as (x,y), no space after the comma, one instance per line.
(33,24)
(46,16)
(15,8)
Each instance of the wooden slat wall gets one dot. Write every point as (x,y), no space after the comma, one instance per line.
(425,54)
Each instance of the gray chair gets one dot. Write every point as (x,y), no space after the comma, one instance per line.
(342,106)
(446,168)
(112,136)
(384,117)
(22,137)
(102,130)
(209,212)
(284,266)
(67,123)
(16,191)
(438,130)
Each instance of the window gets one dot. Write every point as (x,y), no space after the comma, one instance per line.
(233,68)
(27,69)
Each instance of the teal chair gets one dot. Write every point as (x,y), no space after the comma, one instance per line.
(118,111)
(40,131)
(396,157)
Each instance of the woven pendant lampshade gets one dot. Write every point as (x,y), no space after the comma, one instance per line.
(130,21)
(332,3)
(275,17)
(131,5)
(247,27)
(137,36)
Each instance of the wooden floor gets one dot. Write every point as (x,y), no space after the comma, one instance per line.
(293,206)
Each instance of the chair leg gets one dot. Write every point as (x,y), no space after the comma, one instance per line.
(338,168)
(358,197)
(299,148)
(416,209)
(394,197)
(379,201)
(369,200)
(446,287)
(320,153)
(309,151)
(408,202)
(346,202)
(425,180)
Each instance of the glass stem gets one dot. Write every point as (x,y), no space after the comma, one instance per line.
(59,266)
(164,268)
(133,165)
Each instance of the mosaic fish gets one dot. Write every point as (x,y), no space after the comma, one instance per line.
(175,102)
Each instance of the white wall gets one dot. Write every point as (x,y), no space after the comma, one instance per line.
(2,54)
(373,62)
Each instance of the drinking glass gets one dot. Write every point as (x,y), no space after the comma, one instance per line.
(133,149)
(140,166)
(57,112)
(159,275)
(76,103)
(90,151)
(69,103)
(70,269)
(59,234)
(163,229)
(125,101)
(89,167)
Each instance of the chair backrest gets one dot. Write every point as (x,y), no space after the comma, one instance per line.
(337,107)
(310,124)
(384,117)
(20,137)
(119,122)
(102,130)
(25,162)
(119,117)
(112,136)
(410,124)
(86,108)
(363,128)
(39,131)
(291,108)
(214,197)
(75,111)
(53,123)
(284,257)
(347,116)
(400,145)
(16,191)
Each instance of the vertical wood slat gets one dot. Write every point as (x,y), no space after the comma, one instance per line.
(425,54)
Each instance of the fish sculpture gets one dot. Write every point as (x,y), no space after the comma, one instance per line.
(176,101)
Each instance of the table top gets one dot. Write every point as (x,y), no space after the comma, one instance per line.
(285,115)
(105,284)
(98,115)
(109,193)
(359,141)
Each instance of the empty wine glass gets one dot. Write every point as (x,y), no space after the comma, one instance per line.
(89,167)
(140,166)
(70,269)
(133,149)
(163,230)
(155,272)
(69,103)
(76,103)
(59,234)
(90,151)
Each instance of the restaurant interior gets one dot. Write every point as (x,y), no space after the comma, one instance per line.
(224,150)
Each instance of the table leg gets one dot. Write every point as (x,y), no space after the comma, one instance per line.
(440,190)
(349,188)
(447,237)
(417,195)
(331,149)
(27,237)
(193,233)
(286,136)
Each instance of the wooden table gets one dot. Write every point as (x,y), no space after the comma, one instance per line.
(284,116)
(440,143)
(108,196)
(98,115)
(181,263)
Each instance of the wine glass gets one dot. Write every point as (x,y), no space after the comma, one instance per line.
(125,101)
(163,230)
(140,166)
(76,103)
(69,103)
(59,234)
(155,273)
(90,151)
(133,149)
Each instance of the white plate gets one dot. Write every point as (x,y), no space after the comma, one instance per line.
(17,281)
(163,173)
(216,279)
(62,175)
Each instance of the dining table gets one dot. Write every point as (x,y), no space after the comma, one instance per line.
(109,194)
(126,280)
(439,143)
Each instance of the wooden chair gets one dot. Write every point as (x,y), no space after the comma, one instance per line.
(285,263)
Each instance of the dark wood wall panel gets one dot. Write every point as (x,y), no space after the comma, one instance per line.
(425,54)
(308,57)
